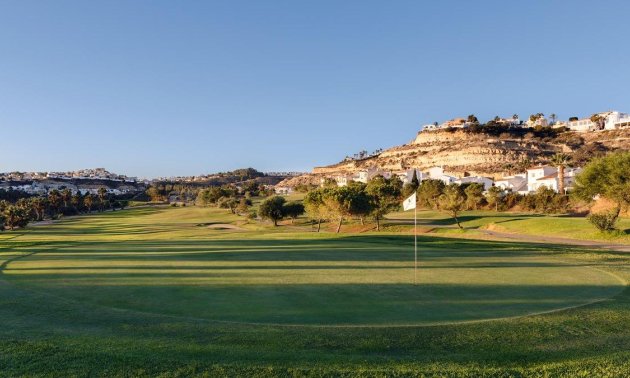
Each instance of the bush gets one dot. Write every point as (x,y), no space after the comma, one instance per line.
(605,221)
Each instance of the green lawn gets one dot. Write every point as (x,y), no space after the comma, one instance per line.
(521,223)
(160,291)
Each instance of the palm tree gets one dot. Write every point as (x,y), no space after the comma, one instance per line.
(560,160)
(102,192)
(38,204)
(54,198)
(515,116)
(88,201)
(553,118)
(66,196)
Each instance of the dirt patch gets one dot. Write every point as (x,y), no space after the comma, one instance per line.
(225,226)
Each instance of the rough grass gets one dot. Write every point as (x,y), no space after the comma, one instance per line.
(134,293)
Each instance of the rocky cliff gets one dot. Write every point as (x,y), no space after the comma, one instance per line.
(493,154)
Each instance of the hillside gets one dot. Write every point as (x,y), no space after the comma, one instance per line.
(493,153)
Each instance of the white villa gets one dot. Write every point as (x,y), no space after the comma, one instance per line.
(533,174)
(540,121)
(552,180)
(611,121)
(437,173)
(516,183)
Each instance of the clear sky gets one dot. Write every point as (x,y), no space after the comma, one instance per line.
(154,88)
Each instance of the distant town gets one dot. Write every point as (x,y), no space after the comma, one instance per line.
(89,181)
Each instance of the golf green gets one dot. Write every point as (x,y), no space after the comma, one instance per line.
(162,262)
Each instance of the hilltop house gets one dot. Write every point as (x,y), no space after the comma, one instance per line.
(539,121)
(612,120)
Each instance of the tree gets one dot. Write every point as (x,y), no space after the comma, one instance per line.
(452,200)
(77,201)
(358,203)
(54,199)
(38,204)
(66,196)
(598,120)
(493,196)
(560,160)
(293,210)
(314,205)
(88,202)
(553,118)
(102,195)
(474,195)
(16,216)
(154,194)
(472,119)
(243,206)
(385,196)
(429,192)
(414,179)
(607,177)
(272,208)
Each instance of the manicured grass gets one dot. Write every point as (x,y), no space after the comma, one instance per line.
(521,223)
(154,291)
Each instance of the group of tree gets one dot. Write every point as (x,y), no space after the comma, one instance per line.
(356,200)
(56,203)
(276,208)
(225,197)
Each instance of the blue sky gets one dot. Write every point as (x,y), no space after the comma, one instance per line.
(153,88)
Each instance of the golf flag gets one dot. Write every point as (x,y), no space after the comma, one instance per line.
(410,203)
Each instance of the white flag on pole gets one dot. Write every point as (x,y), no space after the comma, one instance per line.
(410,203)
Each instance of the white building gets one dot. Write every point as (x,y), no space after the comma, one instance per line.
(533,174)
(552,180)
(616,120)
(408,175)
(540,121)
(582,125)
(613,120)
(486,182)
(343,180)
(283,190)
(516,183)
(367,174)
(431,127)
(437,173)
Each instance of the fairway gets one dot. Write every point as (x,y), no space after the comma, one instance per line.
(168,262)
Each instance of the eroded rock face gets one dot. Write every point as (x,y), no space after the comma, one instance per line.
(463,153)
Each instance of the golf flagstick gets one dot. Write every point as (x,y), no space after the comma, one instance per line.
(408,204)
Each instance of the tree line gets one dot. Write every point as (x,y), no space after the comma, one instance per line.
(27,208)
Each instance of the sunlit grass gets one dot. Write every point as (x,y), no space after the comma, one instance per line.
(153,291)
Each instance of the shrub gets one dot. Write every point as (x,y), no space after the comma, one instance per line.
(604,221)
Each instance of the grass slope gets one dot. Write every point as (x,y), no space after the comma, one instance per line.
(136,293)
